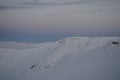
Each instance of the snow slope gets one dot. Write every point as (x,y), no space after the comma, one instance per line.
(74,58)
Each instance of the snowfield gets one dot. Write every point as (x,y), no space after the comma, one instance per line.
(74,58)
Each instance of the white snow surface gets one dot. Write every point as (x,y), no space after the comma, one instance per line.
(73,58)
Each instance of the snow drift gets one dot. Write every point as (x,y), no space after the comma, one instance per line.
(74,58)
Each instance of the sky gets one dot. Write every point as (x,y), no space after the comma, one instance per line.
(50,20)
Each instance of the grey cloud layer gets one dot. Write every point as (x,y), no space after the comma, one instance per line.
(32,4)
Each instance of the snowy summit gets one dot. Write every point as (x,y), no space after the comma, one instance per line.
(74,58)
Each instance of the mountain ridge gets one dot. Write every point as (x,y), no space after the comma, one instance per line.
(16,64)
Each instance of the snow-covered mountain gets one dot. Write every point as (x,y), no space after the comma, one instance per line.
(74,58)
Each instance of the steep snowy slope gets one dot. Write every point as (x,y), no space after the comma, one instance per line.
(74,58)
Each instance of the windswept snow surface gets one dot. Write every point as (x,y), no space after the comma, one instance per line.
(74,58)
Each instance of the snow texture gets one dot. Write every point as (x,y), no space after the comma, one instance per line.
(74,58)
